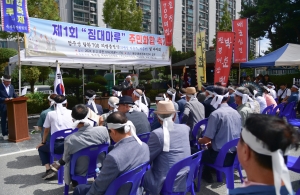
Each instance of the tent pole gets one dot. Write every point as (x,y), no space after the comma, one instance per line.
(239,79)
(114,72)
(19,61)
(83,83)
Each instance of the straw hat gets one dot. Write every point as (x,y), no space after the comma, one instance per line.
(165,107)
(191,90)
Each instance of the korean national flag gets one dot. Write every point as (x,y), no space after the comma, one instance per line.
(58,82)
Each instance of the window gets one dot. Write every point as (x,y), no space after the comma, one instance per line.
(189,19)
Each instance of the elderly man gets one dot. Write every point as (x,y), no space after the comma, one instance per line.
(181,103)
(231,90)
(241,98)
(194,110)
(294,95)
(87,135)
(145,99)
(112,107)
(44,113)
(209,93)
(7,92)
(56,120)
(156,124)
(137,96)
(139,119)
(117,90)
(264,142)
(171,94)
(128,153)
(201,94)
(224,125)
(173,81)
(168,145)
(127,83)
(90,95)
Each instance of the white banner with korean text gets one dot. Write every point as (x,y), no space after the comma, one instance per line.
(60,39)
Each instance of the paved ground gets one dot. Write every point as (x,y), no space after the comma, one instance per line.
(21,171)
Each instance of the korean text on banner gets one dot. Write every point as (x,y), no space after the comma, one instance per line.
(223,56)
(14,16)
(167,8)
(60,39)
(240,27)
(200,58)
(59,87)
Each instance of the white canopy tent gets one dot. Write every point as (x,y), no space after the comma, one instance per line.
(78,63)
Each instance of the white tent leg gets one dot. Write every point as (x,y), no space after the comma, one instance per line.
(83,83)
(114,72)
(19,52)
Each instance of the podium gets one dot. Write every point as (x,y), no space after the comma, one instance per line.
(17,119)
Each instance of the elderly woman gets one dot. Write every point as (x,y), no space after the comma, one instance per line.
(262,157)
(269,99)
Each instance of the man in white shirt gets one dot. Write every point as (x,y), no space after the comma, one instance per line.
(271,86)
(283,93)
(56,120)
(139,105)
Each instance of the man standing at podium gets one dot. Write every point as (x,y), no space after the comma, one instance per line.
(7,92)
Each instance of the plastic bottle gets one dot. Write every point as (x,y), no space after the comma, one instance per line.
(97,170)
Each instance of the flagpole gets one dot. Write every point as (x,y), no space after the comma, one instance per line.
(114,72)
(19,62)
(83,83)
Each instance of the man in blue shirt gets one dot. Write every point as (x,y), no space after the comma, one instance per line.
(224,125)
(43,115)
(294,95)
(181,103)
(90,95)
(156,124)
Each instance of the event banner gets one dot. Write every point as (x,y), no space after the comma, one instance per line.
(240,28)
(223,56)
(200,58)
(14,16)
(167,8)
(59,39)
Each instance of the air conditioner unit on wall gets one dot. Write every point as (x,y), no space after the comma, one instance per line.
(93,9)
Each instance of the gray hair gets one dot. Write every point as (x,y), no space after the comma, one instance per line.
(243,90)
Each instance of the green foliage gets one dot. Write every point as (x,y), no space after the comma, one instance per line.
(123,15)
(99,79)
(152,93)
(94,86)
(31,75)
(45,71)
(273,19)
(5,54)
(225,22)
(72,101)
(72,84)
(146,75)
(45,9)
(288,79)
(178,56)
(37,102)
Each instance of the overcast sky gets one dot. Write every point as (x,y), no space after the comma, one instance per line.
(264,44)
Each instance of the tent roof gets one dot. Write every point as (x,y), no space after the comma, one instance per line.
(87,63)
(288,55)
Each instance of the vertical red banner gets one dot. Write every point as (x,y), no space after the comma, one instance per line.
(223,57)
(240,27)
(167,8)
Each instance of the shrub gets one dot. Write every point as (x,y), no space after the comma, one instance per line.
(99,79)
(37,102)
(145,76)
(94,86)
(152,93)
(71,84)
(72,101)
(288,79)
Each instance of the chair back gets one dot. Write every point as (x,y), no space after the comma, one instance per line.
(144,137)
(289,111)
(62,133)
(268,109)
(233,105)
(92,153)
(222,153)
(150,112)
(278,107)
(193,162)
(133,176)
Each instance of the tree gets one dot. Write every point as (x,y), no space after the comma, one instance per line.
(31,75)
(123,15)
(45,9)
(225,22)
(45,71)
(5,54)
(273,19)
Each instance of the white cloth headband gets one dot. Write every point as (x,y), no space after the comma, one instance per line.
(113,106)
(209,92)
(159,99)
(280,171)
(59,111)
(172,94)
(245,97)
(168,125)
(295,86)
(140,98)
(117,93)
(128,77)
(217,100)
(91,101)
(145,99)
(85,121)
(128,126)
(4,79)
(52,102)
(266,88)
(165,98)
(231,88)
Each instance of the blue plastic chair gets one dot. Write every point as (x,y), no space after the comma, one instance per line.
(293,163)
(289,111)
(278,107)
(192,162)
(54,136)
(133,176)
(151,110)
(233,105)
(268,109)
(218,165)
(195,132)
(144,137)
(151,115)
(92,152)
